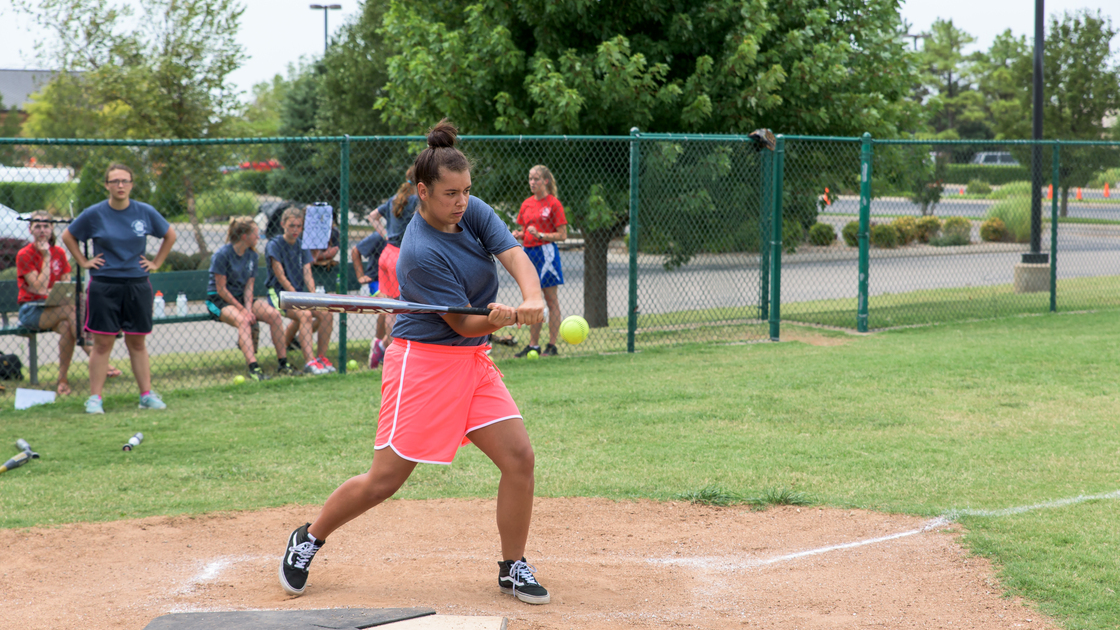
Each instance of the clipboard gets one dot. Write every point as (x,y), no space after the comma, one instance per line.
(61,293)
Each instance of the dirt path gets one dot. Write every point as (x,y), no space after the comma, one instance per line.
(608,565)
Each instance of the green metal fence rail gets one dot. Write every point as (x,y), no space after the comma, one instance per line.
(673,238)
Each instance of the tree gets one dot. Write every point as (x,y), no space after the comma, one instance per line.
(1081,85)
(953,107)
(9,128)
(165,78)
(579,67)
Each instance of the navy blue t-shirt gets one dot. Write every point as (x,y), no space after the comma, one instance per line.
(292,258)
(369,248)
(120,235)
(395,226)
(450,270)
(236,269)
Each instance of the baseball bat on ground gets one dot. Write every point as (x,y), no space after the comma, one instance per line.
(302,301)
(15,462)
(22,445)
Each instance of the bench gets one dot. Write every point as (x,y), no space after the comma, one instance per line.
(170,283)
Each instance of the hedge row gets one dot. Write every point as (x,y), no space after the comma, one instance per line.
(996,175)
(25,197)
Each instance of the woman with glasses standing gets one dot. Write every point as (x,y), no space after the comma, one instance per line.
(119,293)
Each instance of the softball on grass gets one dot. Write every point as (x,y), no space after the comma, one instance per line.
(533,354)
(237,380)
(574,329)
(352,364)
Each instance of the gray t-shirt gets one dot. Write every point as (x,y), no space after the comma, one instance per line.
(236,269)
(292,258)
(395,226)
(450,270)
(120,235)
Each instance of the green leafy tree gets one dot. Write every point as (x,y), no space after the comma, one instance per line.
(953,107)
(1081,86)
(580,67)
(9,128)
(166,78)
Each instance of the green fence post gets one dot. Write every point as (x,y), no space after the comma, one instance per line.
(776,240)
(632,312)
(343,245)
(864,229)
(764,261)
(1057,163)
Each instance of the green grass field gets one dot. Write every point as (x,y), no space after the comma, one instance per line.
(973,416)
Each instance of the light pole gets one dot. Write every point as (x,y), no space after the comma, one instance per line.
(325,8)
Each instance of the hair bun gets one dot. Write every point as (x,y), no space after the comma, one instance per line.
(442,135)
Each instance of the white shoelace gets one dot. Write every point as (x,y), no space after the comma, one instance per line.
(304,553)
(522,572)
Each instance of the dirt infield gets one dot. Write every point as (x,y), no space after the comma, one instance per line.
(608,565)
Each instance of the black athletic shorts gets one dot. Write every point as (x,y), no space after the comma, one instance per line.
(215,304)
(119,304)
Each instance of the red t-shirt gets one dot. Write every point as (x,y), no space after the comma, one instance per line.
(544,214)
(29,260)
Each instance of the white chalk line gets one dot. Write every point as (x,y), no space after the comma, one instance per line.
(722,563)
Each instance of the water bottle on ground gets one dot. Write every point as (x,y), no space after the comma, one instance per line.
(159,307)
(181,304)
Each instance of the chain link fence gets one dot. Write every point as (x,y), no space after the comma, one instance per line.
(672,238)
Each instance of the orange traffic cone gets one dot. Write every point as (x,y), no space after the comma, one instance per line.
(1050,192)
(1079,193)
(826,201)
(1106,190)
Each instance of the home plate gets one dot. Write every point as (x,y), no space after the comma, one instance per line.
(332,618)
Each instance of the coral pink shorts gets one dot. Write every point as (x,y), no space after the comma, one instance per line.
(387,271)
(432,396)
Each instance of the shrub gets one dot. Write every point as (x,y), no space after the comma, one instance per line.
(991,173)
(177,261)
(928,227)
(27,196)
(792,235)
(1015,213)
(885,236)
(978,187)
(993,230)
(1110,177)
(226,203)
(822,234)
(957,227)
(850,233)
(907,229)
(1011,189)
(251,181)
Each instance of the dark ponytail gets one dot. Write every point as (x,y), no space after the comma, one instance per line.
(441,153)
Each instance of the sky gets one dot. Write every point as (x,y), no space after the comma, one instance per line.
(275,33)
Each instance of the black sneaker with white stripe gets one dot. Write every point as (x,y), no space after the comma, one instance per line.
(293,566)
(515,577)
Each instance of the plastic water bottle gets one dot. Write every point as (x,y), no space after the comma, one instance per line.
(181,304)
(159,307)
(363,290)
(320,289)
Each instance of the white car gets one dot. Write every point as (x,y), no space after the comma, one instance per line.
(995,158)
